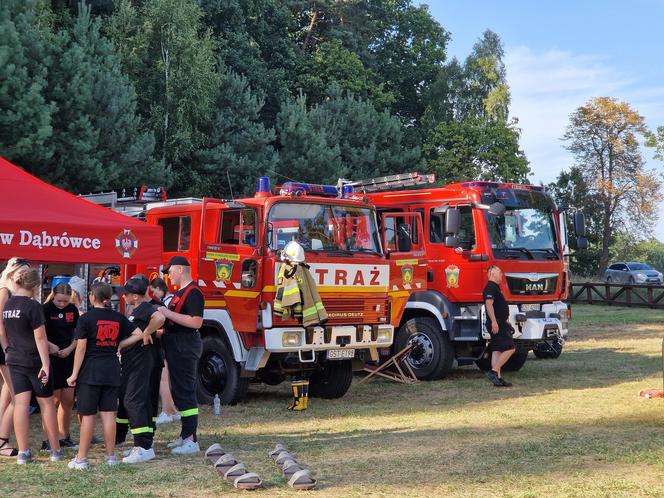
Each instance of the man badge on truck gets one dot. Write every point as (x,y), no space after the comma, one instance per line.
(452,276)
(406,274)
(224,270)
(126,243)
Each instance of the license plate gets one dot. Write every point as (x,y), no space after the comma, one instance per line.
(530,307)
(340,354)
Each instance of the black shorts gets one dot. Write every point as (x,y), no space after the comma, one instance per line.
(61,370)
(24,379)
(2,356)
(502,341)
(91,398)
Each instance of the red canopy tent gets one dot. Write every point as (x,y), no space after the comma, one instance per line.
(43,223)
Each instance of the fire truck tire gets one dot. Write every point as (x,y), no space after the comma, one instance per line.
(332,380)
(435,357)
(548,351)
(219,373)
(517,361)
(514,364)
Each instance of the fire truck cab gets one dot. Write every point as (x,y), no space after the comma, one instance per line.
(364,277)
(468,228)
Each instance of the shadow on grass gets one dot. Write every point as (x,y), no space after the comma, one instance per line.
(574,370)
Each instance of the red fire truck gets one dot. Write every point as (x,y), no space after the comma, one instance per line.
(468,227)
(364,276)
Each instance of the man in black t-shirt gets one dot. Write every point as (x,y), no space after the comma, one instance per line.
(183,347)
(501,342)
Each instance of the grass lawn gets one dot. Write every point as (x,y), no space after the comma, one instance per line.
(574,426)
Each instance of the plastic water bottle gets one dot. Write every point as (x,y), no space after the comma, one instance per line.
(216,410)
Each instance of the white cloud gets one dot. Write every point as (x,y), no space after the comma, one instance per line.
(547,86)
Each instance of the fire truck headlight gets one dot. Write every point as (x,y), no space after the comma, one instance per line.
(384,336)
(290,339)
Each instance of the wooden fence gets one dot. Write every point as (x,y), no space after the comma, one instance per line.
(646,296)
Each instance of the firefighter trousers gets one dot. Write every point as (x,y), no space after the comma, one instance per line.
(135,407)
(183,350)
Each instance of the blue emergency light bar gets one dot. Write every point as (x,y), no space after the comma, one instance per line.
(293,188)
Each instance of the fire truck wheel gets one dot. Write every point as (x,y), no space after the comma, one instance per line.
(332,380)
(517,360)
(548,351)
(218,373)
(514,364)
(434,356)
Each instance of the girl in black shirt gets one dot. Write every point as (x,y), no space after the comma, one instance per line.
(100,333)
(61,318)
(14,266)
(24,336)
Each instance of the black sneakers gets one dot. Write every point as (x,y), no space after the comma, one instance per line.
(46,446)
(68,443)
(505,383)
(493,377)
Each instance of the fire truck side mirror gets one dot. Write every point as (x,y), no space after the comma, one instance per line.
(497,209)
(451,241)
(249,273)
(579,224)
(581,244)
(452,221)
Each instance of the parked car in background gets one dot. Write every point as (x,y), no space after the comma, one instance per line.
(632,273)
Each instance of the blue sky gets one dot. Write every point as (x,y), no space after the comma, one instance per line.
(560,54)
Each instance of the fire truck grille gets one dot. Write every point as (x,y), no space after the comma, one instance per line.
(532,283)
(344,311)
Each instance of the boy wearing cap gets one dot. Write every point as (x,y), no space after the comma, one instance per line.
(135,410)
(183,347)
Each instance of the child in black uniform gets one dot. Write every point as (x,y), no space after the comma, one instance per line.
(96,375)
(138,366)
(61,318)
(24,338)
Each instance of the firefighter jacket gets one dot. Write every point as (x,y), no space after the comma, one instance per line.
(297,295)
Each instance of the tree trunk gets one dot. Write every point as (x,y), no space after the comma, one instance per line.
(606,240)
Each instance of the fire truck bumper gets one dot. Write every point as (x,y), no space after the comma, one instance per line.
(548,323)
(294,339)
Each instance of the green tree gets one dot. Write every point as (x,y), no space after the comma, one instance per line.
(341,137)
(253,41)
(169,55)
(475,149)
(99,141)
(25,120)
(603,135)
(571,191)
(333,63)
(239,147)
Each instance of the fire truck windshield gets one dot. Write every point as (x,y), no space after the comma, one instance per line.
(323,227)
(527,230)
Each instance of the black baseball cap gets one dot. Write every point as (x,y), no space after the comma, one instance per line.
(176,260)
(135,285)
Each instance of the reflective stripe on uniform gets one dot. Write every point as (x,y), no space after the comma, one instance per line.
(141,430)
(189,413)
(121,421)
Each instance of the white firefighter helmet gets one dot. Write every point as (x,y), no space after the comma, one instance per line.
(293,252)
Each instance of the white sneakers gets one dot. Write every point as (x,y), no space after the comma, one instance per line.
(188,447)
(76,464)
(175,443)
(138,455)
(165,418)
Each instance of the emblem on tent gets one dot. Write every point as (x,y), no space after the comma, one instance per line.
(126,243)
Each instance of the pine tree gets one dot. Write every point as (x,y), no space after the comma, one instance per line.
(25,120)
(98,142)
(239,147)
